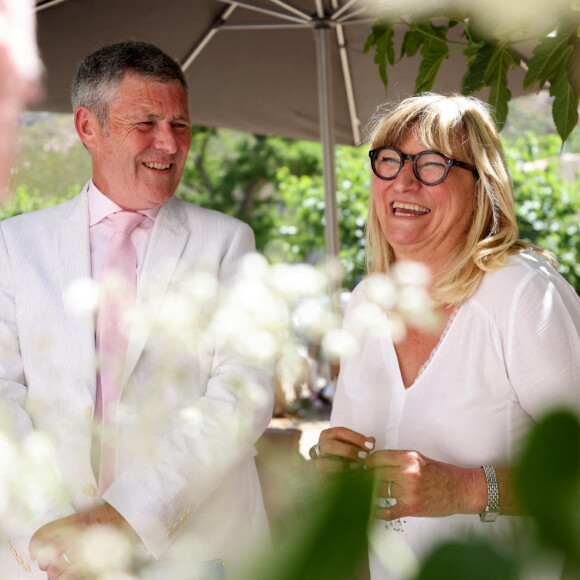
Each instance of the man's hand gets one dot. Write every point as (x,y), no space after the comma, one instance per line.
(85,545)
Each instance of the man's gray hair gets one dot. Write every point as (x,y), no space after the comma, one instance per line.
(99,75)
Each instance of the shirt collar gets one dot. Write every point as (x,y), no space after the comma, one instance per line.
(101,206)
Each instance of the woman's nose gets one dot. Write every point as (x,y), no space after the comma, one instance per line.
(406,178)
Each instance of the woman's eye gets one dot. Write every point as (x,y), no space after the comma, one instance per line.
(389,160)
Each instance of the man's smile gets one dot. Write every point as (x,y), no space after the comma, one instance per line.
(162,166)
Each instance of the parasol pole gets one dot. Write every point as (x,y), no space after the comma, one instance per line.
(321,31)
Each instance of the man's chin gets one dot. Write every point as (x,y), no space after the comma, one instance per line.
(146,200)
(158,193)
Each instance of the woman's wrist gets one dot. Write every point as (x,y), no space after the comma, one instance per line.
(476,496)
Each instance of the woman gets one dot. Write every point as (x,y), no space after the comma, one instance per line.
(445,413)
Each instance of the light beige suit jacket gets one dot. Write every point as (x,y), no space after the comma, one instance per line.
(186,479)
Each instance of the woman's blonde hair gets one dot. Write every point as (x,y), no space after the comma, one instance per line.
(461,127)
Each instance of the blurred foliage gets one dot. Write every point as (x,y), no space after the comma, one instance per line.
(22,201)
(473,560)
(547,205)
(327,541)
(490,47)
(549,484)
(276,186)
(52,162)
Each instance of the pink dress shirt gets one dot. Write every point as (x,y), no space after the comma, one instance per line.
(101,230)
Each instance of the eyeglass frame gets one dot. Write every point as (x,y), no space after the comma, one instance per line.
(449,163)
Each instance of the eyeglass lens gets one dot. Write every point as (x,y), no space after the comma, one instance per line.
(430,167)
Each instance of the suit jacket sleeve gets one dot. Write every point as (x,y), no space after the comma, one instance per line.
(29,476)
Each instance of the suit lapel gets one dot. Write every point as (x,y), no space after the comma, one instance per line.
(73,260)
(166,246)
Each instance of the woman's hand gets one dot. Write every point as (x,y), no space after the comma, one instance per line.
(425,487)
(340,448)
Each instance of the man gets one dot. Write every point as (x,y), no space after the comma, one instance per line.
(172,469)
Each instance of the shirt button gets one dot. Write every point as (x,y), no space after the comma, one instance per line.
(89,490)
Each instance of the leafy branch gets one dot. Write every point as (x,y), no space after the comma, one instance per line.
(555,61)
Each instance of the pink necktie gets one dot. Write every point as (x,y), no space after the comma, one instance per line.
(119,289)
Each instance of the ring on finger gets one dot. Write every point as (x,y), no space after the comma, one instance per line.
(389,489)
(66,558)
(315,452)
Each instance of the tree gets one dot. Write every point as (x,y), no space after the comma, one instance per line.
(490,38)
(275,185)
(547,205)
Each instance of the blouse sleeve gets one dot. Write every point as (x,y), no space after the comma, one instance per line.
(543,343)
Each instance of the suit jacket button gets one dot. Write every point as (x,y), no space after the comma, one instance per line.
(89,490)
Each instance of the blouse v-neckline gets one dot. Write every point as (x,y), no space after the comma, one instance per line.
(428,363)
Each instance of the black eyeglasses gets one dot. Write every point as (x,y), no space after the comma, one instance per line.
(429,167)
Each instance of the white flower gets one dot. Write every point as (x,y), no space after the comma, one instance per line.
(82,296)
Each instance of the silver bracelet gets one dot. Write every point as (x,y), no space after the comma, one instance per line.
(492,509)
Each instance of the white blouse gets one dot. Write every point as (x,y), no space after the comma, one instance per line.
(510,354)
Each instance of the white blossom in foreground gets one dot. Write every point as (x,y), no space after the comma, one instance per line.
(263,318)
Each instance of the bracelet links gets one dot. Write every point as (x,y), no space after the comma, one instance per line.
(493,507)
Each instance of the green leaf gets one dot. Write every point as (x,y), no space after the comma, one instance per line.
(430,65)
(377,31)
(434,52)
(548,56)
(565,105)
(433,34)
(474,559)
(381,38)
(501,61)
(548,481)
(473,48)
(480,56)
(411,42)
(330,540)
